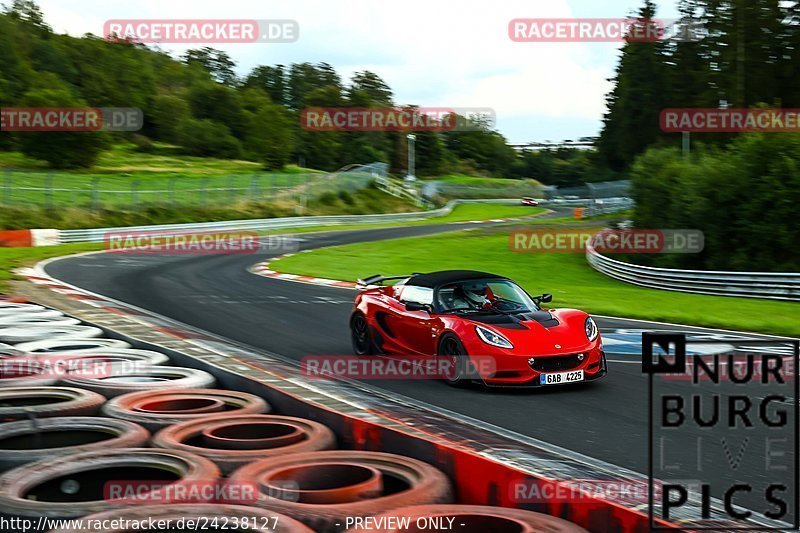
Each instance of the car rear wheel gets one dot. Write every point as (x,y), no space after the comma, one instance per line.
(360,335)
(452,350)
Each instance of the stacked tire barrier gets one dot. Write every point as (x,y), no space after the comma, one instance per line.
(93,429)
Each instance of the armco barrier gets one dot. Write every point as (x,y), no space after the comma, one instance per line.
(771,285)
(28,237)
(48,237)
(261,224)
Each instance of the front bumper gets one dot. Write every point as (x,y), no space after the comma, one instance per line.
(515,371)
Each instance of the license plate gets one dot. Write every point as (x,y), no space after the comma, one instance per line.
(561,377)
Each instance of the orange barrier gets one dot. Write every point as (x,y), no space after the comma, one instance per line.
(18,238)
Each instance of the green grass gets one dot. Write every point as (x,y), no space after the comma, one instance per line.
(461,186)
(477,181)
(465,212)
(365,200)
(566,275)
(460,213)
(12,258)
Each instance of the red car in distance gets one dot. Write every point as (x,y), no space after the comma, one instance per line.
(528,200)
(466,316)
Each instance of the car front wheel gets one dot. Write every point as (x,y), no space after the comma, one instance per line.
(456,372)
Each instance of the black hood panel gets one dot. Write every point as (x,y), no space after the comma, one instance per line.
(544,318)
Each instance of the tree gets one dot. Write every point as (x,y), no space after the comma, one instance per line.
(269,136)
(368,89)
(631,123)
(430,153)
(271,80)
(27,11)
(219,103)
(215,62)
(206,138)
(167,112)
(60,149)
(305,79)
(485,149)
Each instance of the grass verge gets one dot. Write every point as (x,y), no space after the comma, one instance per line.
(572,282)
(460,213)
(12,258)
(477,181)
(366,200)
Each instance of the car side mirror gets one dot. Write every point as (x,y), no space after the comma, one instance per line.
(546,297)
(416,306)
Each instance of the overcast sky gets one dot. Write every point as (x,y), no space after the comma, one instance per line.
(436,53)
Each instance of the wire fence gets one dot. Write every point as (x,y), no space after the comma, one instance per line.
(57,190)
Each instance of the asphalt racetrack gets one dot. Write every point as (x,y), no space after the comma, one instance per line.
(606,420)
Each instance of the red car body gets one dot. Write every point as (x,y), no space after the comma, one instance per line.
(543,340)
(527,200)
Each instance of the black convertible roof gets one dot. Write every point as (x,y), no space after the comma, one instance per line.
(434,279)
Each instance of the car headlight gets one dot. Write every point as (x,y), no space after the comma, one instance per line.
(591,329)
(490,337)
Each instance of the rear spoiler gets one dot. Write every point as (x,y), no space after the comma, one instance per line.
(378,279)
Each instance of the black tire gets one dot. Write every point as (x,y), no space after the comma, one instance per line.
(17,484)
(142,407)
(360,335)
(450,347)
(51,437)
(19,403)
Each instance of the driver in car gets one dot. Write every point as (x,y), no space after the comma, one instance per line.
(479,295)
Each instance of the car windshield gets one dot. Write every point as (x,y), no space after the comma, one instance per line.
(501,296)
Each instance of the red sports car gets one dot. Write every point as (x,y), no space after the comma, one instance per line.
(528,200)
(467,317)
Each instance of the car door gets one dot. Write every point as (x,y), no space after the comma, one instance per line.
(415,327)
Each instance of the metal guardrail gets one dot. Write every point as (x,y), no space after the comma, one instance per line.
(771,285)
(265,224)
(260,224)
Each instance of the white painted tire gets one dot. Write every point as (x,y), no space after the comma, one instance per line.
(18,334)
(45,314)
(6,350)
(10,308)
(71,346)
(113,355)
(122,379)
